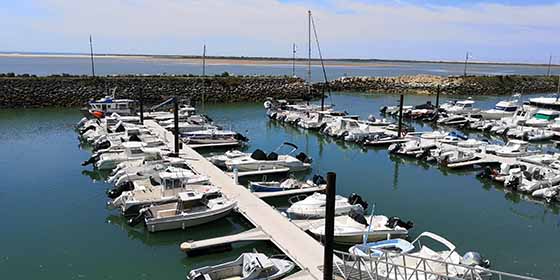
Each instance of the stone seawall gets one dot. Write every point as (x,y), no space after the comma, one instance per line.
(470,85)
(72,91)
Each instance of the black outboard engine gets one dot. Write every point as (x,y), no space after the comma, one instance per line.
(91,160)
(144,213)
(134,138)
(485,173)
(258,154)
(394,148)
(85,129)
(424,155)
(358,217)
(355,199)
(319,180)
(396,221)
(272,156)
(116,192)
(304,158)
(102,145)
(241,137)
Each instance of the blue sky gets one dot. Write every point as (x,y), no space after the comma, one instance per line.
(521,31)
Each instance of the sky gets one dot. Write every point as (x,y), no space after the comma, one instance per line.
(492,30)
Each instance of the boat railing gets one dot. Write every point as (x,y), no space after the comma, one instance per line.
(411,267)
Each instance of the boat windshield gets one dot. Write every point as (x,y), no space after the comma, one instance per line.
(505,108)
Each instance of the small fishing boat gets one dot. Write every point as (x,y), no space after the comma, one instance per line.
(453,120)
(258,160)
(314,206)
(288,184)
(249,266)
(132,151)
(543,118)
(192,208)
(380,248)
(504,108)
(463,107)
(413,147)
(514,148)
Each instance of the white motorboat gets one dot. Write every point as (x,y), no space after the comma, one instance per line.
(452,156)
(441,262)
(314,206)
(536,135)
(514,148)
(192,208)
(552,102)
(463,107)
(543,118)
(108,105)
(220,160)
(453,120)
(288,184)
(132,151)
(504,108)
(159,189)
(249,266)
(352,229)
(413,147)
(550,193)
(434,135)
(124,181)
(258,160)
(471,143)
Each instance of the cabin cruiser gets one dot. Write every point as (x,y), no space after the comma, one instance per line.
(514,148)
(213,136)
(159,189)
(446,262)
(125,181)
(108,105)
(543,118)
(249,266)
(463,107)
(288,184)
(192,208)
(352,229)
(314,206)
(132,151)
(258,160)
(504,108)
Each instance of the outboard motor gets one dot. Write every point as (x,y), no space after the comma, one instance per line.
(85,129)
(355,199)
(303,158)
(134,138)
(396,221)
(358,217)
(272,156)
(424,155)
(258,154)
(116,192)
(91,160)
(383,110)
(319,180)
(474,259)
(241,137)
(485,173)
(140,218)
(102,145)
(394,148)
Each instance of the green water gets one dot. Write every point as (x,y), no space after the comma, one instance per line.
(56,225)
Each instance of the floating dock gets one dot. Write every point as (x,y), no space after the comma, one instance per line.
(305,251)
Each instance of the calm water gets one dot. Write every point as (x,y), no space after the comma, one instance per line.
(108,66)
(56,225)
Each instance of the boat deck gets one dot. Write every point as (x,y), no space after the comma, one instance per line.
(305,251)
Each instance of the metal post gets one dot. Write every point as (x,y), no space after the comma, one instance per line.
(323,98)
(466,62)
(400,115)
(91,56)
(141,105)
(176,124)
(329,227)
(549,64)
(294,60)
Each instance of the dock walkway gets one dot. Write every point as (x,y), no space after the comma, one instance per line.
(305,251)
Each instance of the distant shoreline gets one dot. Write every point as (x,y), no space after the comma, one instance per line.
(232,60)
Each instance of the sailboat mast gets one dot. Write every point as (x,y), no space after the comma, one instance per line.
(294,60)
(91,56)
(309,53)
(204,60)
(322,65)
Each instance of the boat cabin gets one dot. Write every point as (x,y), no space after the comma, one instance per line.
(108,105)
(505,106)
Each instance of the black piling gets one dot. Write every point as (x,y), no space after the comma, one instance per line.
(176,124)
(437,96)
(141,101)
(400,116)
(329,227)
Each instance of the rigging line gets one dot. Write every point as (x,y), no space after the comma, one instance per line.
(320,56)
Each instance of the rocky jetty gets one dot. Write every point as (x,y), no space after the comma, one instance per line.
(457,85)
(72,91)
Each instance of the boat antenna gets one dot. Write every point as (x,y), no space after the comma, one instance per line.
(91,56)
(370,226)
(322,64)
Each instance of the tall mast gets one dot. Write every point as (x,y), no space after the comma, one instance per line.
(326,86)
(309,53)
(294,60)
(466,62)
(91,55)
(549,64)
(204,60)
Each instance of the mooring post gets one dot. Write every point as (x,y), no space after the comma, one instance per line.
(329,227)
(400,116)
(176,124)
(323,99)
(141,105)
